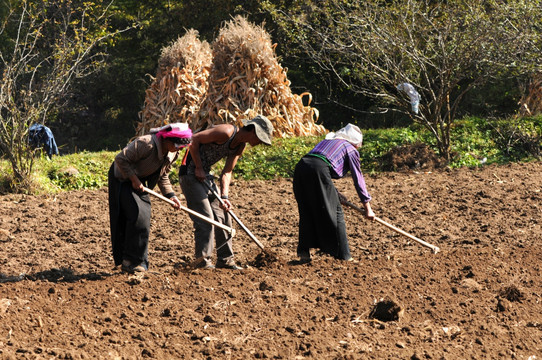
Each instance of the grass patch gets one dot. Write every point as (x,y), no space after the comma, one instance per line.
(476,142)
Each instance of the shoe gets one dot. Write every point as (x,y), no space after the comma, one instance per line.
(304,256)
(128,267)
(204,264)
(230,264)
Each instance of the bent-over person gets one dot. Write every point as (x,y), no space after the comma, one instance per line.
(146,161)
(321,218)
(207,148)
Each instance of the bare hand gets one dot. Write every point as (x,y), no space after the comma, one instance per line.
(177,202)
(226,204)
(137,185)
(200,174)
(369,213)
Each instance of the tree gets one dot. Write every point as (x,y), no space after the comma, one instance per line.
(45,46)
(442,48)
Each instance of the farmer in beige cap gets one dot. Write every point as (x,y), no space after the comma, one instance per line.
(207,148)
(321,218)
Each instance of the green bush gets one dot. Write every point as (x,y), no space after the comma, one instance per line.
(85,170)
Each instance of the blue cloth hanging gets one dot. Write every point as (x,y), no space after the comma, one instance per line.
(42,136)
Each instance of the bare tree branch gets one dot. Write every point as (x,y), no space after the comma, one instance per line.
(443,49)
(51,43)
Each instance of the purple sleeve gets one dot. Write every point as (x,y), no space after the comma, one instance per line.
(359,180)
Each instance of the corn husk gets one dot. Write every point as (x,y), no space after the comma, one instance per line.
(247,79)
(238,79)
(180,85)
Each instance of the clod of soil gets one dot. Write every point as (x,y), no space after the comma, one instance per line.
(265,259)
(386,310)
(411,157)
(511,293)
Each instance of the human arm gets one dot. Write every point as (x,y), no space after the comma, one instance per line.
(164,182)
(226,176)
(357,176)
(359,182)
(369,213)
(136,183)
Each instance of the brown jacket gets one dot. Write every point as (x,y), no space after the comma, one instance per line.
(143,157)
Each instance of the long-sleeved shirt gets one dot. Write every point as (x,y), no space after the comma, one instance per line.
(343,157)
(143,157)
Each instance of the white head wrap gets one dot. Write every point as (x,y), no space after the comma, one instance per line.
(350,133)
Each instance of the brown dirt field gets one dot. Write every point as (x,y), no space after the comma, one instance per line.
(479,298)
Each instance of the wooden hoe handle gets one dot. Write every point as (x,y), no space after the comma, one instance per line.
(197,214)
(435,249)
(236,218)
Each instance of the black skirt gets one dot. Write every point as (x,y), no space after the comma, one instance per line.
(321,218)
(130,219)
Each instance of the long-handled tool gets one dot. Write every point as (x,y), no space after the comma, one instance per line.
(197,214)
(235,217)
(435,249)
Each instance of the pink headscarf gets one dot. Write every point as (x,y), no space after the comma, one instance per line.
(179,133)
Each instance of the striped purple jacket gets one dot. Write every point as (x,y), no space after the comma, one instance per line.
(343,157)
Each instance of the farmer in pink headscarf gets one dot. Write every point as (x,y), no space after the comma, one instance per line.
(146,161)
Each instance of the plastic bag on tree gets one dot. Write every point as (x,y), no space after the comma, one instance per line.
(412,94)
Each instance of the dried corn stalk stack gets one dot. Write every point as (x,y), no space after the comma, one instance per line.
(246,79)
(176,93)
(531,103)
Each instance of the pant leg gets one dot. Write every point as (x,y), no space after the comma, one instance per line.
(197,199)
(136,209)
(307,228)
(117,222)
(343,250)
(224,243)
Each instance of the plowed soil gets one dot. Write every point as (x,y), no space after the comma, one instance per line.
(480,297)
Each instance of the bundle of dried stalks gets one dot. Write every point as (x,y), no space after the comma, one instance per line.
(246,79)
(531,102)
(180,85)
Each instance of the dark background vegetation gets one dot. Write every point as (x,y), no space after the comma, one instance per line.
(103,109)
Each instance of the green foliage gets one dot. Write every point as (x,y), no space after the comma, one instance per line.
(279,160)
(518,138)
(480,142)
(84,170)
(473,143)
(46,44)
(444,49)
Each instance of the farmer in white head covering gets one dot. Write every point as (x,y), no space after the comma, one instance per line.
(321,218)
